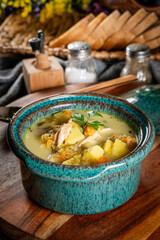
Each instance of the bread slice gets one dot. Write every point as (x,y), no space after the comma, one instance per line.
(154,43)
(145,24)
(148,35)
(139,39)
(135,20)
(72,33)
(137,30)
(92,26)
(121,38)
(105,29)
(124,39)
(140,28)
(113,39)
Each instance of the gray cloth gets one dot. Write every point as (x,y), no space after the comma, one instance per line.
(13,90)
(8,76)
(12,83)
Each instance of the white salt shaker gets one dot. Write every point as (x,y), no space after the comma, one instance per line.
(80,68)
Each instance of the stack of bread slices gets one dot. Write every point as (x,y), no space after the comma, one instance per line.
(114,31)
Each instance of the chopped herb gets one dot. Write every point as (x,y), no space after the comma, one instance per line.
(93,113)
(79,118)
(96,124)
(85,121)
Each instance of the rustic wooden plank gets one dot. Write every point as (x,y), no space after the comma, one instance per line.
(144,226)
(155,235)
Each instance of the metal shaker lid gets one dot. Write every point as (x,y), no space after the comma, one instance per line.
(138,51)
(79,49)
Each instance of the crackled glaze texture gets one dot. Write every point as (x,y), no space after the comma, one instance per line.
(148,100)
(81,189)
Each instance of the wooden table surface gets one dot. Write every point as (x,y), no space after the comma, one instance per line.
(21,218)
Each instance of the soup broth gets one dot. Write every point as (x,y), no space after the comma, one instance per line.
(80,137)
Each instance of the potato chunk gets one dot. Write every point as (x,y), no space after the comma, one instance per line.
(108,147)
(119,149)
(115,150)
(75,135)
(93,153)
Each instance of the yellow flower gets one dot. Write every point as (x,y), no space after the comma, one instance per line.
(16,4)
(26,11)
(5,1)
(49,9)
(22,3)
(60,6)
(10,3)
(24,14)
(43,1)
(27,1)
(43,15)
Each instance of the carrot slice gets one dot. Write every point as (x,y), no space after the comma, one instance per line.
(126,139)
(89,131)
(116,135)
(49,143)
(68,112)
(103,159)
(65,154)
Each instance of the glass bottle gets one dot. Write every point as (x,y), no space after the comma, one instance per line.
(80,68)
(137,62)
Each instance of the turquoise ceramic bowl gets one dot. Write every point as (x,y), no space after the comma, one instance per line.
(81,189)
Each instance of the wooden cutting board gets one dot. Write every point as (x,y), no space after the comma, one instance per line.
(21,218)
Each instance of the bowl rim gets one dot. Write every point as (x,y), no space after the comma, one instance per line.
(107,165)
